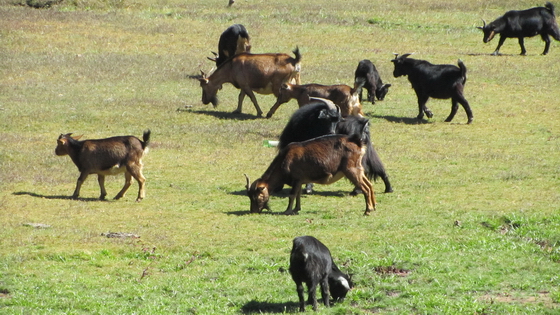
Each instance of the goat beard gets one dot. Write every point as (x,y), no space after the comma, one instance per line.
(490,37)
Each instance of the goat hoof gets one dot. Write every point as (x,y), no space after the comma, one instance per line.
(429,114)
(355,192)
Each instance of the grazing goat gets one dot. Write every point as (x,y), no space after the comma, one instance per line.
(311,262)
(234,40)
(342,95)
(322,160)
(110,156)
(366,74)
(261,73)
(521,24)
(319,119)
(436,81)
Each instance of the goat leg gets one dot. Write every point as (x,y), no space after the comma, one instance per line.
(312,288)
(101,181)
(251,95)
(79,183)
(500,43)
(546,39)
(325,291)
(127,183)
(299,288)
(240,99)
(522,44)
(295,193)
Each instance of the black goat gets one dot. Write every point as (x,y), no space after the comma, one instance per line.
(366,72)
(436,81)
(234,40)
(311,262)
(373,167)
(310,121)
(521,24)
(319,119)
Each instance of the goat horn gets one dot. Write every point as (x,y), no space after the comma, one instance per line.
(248,181)
(484,23)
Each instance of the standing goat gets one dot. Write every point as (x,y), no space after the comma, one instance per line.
(366,72)
(437,81)
(521,24)
(311,262)
(323,160)
(110,156)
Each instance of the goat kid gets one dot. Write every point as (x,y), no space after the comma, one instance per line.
(436,81)
(366,74)
(323,160)
(311,263)
(110,156)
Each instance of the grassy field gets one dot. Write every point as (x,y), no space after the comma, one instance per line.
(473,226)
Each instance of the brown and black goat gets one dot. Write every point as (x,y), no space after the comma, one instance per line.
(346,97)
(323,160)
(110,156)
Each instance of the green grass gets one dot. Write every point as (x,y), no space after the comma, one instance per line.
(104,68)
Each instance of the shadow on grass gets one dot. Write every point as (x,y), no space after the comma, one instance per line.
(21,193)
(224,115)
(286,193)
(256,307)
(402,120)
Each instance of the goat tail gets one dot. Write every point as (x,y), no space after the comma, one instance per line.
(146,138)
(550,7)
(297,54)
(463,70)
(373,167)
(359,83)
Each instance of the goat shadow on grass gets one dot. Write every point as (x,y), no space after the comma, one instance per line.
(225,115)
(256,307)
(21,193)
(402,120)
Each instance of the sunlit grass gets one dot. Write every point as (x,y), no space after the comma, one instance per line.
(472,227)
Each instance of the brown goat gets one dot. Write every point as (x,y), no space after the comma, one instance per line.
(110,156)
(346,97)
(261,73)
(322,160)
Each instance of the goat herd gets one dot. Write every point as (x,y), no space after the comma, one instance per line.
(326,139)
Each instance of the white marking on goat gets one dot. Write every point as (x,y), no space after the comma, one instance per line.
(305,256)
(344,282)
(113,170)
